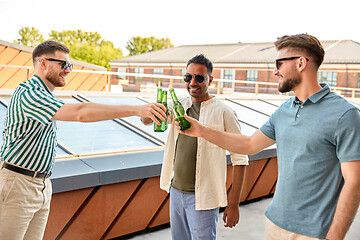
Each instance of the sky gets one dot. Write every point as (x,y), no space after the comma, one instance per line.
(185,21)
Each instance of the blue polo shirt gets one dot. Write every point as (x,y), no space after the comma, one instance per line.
(312,139)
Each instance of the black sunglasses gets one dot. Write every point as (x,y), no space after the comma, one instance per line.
(64,64)
(198,77)
(285,59)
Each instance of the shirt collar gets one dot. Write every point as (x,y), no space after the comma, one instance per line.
(320,94)
(316,96)
(38,80)
(188,101)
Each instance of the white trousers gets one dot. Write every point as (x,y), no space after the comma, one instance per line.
(273,232)
(24,205)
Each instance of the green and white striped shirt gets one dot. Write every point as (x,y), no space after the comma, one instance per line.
(29,138)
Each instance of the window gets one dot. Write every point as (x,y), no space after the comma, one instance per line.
(228,74)
(252,75)
(121,70)
(158,71)
(140,71)
(358,80)
(328,77)
(183,72)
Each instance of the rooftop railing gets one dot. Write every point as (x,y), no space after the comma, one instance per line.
(353,92)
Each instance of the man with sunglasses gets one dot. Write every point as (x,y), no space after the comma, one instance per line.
(194,170)
(317,134)
(29,140)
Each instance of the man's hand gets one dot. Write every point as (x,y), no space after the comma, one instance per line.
(153,111)
(195,130)
(231,216)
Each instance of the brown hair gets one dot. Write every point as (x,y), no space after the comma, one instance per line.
(305,43)
(48,47)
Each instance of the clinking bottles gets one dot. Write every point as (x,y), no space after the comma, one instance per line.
(157,128)
(161,98)
(164,125)
(179,111)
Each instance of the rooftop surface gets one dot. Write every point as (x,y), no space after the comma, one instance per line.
(251,226)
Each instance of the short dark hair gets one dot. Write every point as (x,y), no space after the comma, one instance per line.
(201,59)
(303,42)
(48,47)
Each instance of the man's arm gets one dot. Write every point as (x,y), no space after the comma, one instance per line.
(348,201)
(93,112)
(231,214)
(233,142)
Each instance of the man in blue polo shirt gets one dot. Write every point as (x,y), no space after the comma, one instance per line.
(317,134)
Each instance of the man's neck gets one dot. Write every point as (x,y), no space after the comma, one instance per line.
(46,82)
(306,89)
(202,99)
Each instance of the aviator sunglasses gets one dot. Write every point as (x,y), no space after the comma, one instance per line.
(198,77)
(64,64)
(285,59)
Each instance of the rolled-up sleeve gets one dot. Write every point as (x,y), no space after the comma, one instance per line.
(232,125)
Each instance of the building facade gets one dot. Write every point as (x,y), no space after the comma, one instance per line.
(250,62)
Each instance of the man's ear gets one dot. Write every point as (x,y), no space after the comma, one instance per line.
(302,63)
(42,63)
(211,78)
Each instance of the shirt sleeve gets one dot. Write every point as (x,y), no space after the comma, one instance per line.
(40,106)
(232,126)
(347,136)
(268,129)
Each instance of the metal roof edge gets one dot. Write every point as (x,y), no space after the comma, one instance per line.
(30,50)
(16,46)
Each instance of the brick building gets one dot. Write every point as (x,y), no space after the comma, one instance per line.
(239,61)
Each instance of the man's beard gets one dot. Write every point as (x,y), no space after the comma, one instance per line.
(54,79)
(289,84)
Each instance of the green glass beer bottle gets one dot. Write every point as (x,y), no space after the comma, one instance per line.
(164,125)
(179,111)
(157,128)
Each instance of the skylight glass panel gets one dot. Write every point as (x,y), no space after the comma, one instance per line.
(60,152)
(2,121)
(99,137)
(134,119)
(247,115)
(260,106)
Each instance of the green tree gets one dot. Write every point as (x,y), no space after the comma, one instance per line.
(87,46)
(29,37)
(84,46)
(138,45)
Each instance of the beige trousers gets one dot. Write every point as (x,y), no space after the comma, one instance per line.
(24,206)
(273,232)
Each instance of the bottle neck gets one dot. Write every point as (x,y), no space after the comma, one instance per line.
(164,98)
(159,95)
(173,96)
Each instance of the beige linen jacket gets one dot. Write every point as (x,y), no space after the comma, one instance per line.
(210,176)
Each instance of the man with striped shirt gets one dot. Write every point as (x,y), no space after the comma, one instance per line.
(29,140)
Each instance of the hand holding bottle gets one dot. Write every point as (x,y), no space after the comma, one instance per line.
(179,111)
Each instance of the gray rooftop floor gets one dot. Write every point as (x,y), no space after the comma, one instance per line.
(251,226)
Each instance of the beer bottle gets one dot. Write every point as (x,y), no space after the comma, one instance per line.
(164,125)
(179,111)
(157,128)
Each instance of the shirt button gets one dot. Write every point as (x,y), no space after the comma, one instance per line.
(298,115)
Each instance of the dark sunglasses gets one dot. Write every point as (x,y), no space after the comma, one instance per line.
(198,77)
(285,59)
(64,64)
